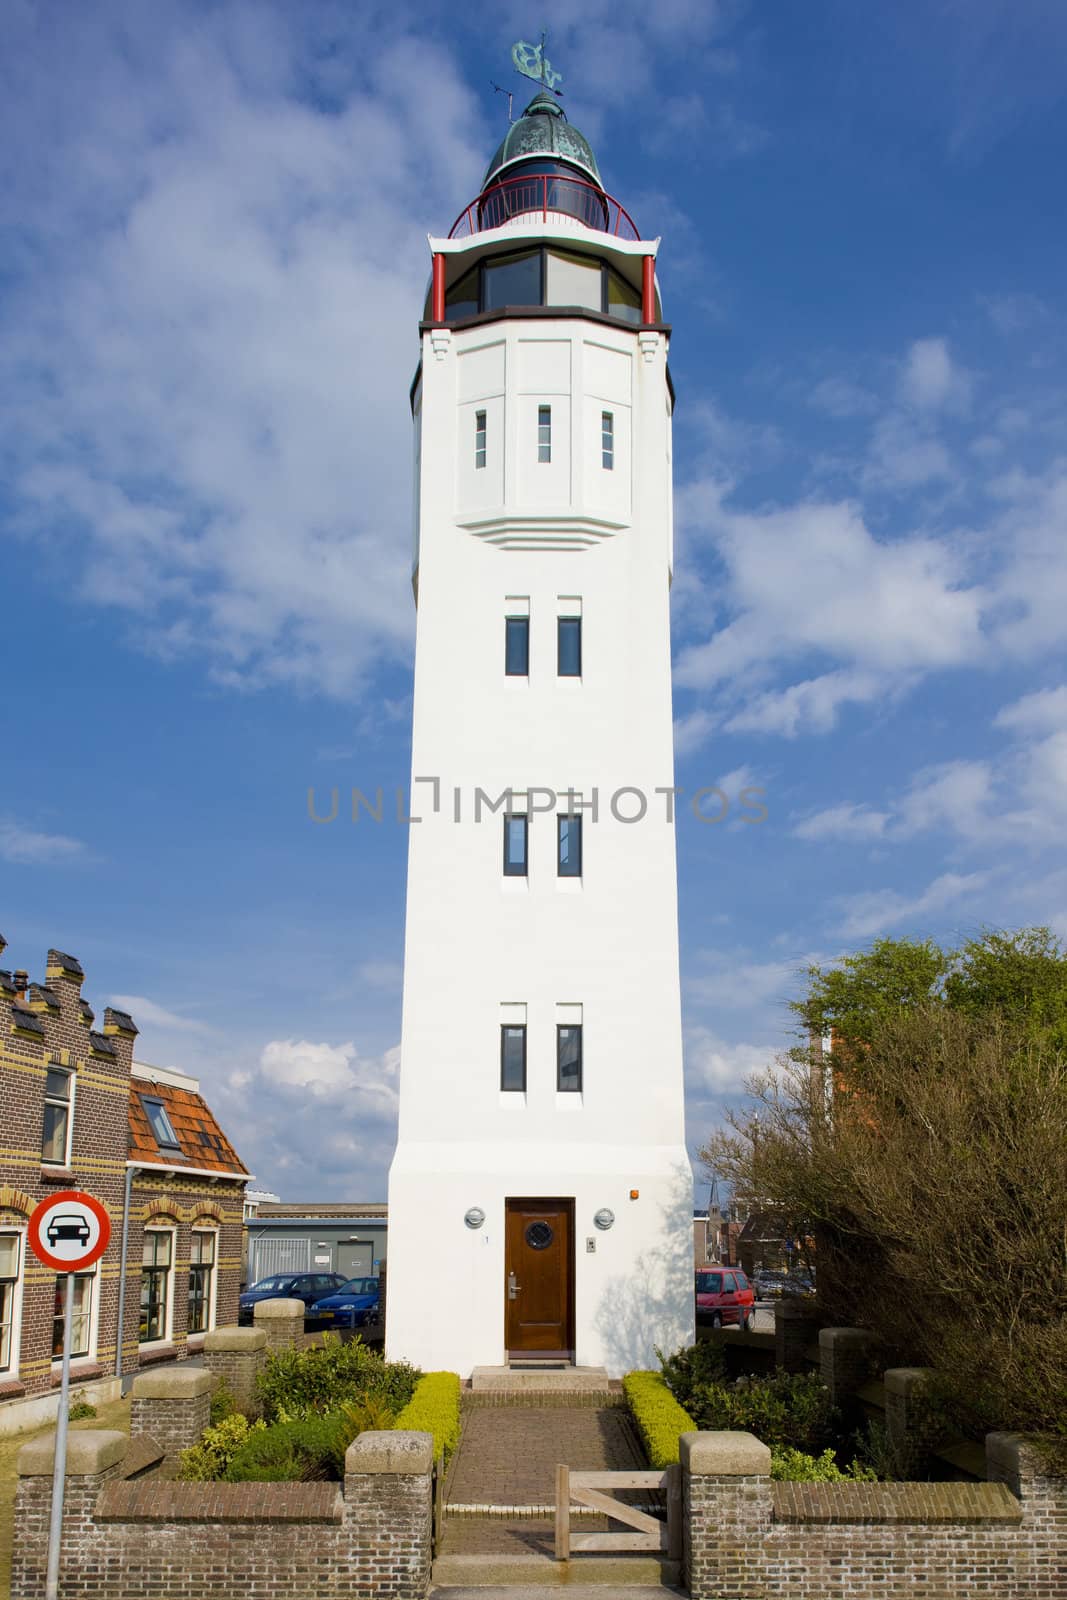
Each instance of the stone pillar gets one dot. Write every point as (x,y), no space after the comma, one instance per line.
(912,1426)
(388,1513)
(796,1326)
(726,1513)
(846,1360)
(282,1321)
(236,1357)
(173,1406)
(1012,1459)
(93,1456)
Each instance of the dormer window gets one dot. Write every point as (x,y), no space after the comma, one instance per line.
(156,1112)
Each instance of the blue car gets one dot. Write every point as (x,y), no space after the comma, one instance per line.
(352,1306)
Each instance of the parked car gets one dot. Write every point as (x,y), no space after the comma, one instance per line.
(768,1283)
(306,1286)
(354,1305)
(798,1283)
(724,1297)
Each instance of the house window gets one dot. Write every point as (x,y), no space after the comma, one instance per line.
(156,1113)
(569,647)
(58,1106)
(81,1315)
(544,433)
(156,1260)
(569,847)
(479,438)
(513,1058)
(201,1274)
(10,1256)
(569,1059)
(517,647)
(516,837)
(607,441)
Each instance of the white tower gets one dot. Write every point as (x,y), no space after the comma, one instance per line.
(540,1198)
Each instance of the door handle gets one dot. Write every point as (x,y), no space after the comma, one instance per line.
(513,1287)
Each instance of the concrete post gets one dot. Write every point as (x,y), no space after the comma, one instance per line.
(846,1360)
(912,1427)
(282,1321)
(173,1406)
(388,1510)
(93,1456)
(726,1513)
(236,1357)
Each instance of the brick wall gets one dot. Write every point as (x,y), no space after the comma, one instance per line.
(153,1540)
(750,1539)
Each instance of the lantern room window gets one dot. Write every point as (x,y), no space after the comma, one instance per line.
(543,276)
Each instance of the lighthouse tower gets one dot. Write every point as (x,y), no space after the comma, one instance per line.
(540,1197)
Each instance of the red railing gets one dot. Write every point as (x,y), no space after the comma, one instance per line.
(541,194)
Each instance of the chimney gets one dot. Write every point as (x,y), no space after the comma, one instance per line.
(22,982)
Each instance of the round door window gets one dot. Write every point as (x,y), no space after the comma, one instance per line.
(539,1236)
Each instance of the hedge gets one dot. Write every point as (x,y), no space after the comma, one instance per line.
(660,1419)
(434,1408)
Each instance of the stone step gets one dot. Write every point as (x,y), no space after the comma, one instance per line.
(635,1572)
(535,1379)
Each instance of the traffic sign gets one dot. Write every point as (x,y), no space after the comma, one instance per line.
(69,1231)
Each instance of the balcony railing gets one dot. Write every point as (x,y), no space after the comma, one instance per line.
(542,194)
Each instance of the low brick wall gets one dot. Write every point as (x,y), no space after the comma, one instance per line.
(173,1407)
(747,1538)
(153,1540)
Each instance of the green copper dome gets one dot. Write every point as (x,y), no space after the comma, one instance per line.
(543,130)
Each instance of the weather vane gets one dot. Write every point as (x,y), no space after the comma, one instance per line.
(531,61)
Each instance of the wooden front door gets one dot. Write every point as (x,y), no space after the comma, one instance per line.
(539,1278)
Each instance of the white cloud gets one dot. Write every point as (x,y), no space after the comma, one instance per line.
(23,846)
(843,822)
(808,707)
(931,380)
(871,913)
(388,975)
(840,398)
(147,1014)
(724,983)
(329,1071)
(712,1064)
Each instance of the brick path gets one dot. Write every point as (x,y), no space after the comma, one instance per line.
(508,1455)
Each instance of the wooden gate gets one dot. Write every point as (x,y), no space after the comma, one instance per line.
(594,1490)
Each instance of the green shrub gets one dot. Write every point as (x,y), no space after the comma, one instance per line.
(308,1449)
(794,1466)
(660,1419)
(434,1408)
(79,1410)
(692,1368)
(371,1415)
(329,1374)
(223,1404)
(785,1408)
(209,1458)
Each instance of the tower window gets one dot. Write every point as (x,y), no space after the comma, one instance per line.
(569,1059)
(517,647)
(516,840)
(607,440)
(569,847)
(544,433)
(479,438)
(569,647)
(513,1058)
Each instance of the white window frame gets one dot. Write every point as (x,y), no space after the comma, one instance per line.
(212,1298)
(10,1371)
(89,1354)
(167,1335)
(71,1076)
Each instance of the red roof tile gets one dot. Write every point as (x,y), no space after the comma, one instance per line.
(202,1142)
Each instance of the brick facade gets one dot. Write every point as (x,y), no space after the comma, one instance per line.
(50,1025)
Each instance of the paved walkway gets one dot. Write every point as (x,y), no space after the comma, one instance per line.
(508,1455)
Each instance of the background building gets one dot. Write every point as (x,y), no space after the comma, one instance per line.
(322,1236)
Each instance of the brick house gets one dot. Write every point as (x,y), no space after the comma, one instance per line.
(76,1111)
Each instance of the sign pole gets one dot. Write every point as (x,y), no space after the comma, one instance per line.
(59,1474)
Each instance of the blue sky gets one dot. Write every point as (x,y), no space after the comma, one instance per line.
(212,260)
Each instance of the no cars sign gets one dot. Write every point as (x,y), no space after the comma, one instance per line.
(69,1231)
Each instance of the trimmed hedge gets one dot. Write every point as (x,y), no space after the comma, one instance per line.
(434,1408)
(660,1419)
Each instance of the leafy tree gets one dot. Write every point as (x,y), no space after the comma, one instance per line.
(928,1159)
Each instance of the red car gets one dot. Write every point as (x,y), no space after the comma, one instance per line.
(724,1296)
